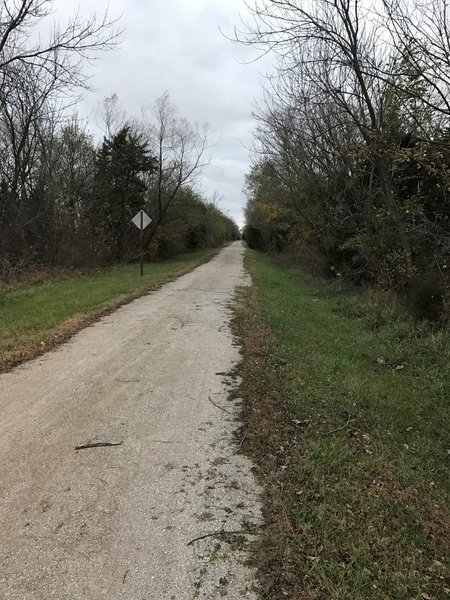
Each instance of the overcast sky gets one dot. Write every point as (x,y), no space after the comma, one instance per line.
(177,45)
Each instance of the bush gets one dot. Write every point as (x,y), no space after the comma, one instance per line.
(196,236)
(427,295)
(254,238)
(168,247)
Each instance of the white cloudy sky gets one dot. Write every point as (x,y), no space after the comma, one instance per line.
(177,45)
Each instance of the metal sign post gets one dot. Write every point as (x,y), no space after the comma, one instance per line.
(142,243)
(142,220)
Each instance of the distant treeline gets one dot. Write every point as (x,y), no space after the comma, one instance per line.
(67,200)
(352,161)
(70,203)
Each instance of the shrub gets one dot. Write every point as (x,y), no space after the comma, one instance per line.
(254,237)
(427,295)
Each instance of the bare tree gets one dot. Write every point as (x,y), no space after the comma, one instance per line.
(111,116)
(27,105)
(420,29)
(180,148)
(63,50)
(329,53)
(38,74)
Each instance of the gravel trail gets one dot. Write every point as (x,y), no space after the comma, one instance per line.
(118,521)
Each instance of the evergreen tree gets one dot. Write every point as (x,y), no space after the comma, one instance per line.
(120,187)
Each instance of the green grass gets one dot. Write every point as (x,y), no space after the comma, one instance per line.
(363,422)
(31,315)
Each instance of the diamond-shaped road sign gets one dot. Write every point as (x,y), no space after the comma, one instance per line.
(141,220)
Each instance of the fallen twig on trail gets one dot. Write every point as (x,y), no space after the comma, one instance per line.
(97,445)
(218,406)
(214,533)
(242,442)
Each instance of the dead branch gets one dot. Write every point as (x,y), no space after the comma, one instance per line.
(220,532)
(97,445)
(220,407)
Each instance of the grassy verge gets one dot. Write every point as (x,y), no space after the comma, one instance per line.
(34,318)
(346,417)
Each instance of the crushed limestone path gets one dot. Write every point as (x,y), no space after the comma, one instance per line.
(117,521)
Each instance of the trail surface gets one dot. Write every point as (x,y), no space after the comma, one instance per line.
(115,522)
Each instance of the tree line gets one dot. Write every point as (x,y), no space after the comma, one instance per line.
(67,200)
(352,153)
